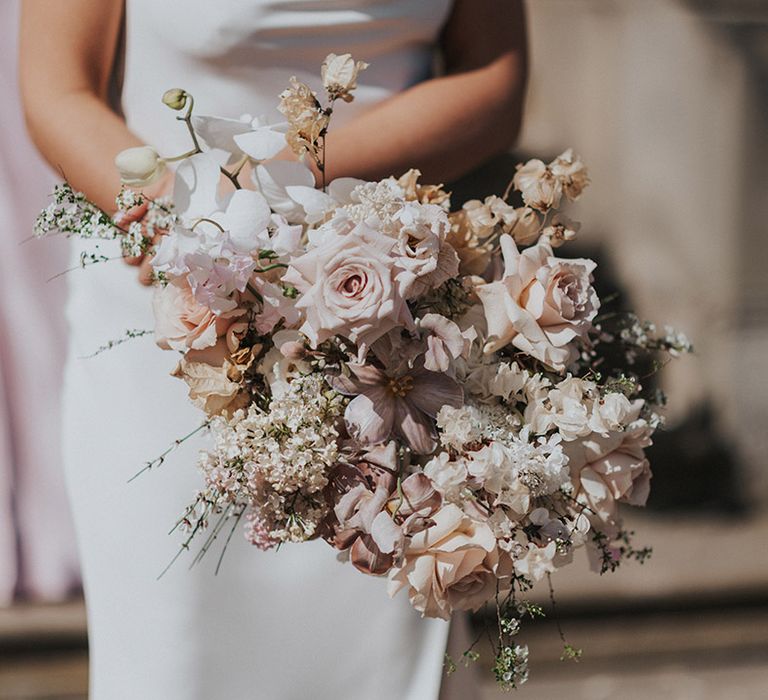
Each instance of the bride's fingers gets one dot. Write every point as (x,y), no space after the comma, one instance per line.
(134,260)
(146,272)
(126,218)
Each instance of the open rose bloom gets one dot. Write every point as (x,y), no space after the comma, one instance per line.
(424,385)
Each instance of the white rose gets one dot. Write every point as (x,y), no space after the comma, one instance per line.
(139,166)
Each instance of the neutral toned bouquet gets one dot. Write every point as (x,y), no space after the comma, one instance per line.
(423,387)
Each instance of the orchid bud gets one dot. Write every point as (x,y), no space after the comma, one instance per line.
(175,98)
(139,166)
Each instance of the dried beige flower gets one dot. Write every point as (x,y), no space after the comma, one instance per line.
(339,75)
(307,120)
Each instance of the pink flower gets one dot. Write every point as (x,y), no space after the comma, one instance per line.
(350,286)
(402,401)
(274,306)
(181,323)
(541,304)
(610,469)
(449,566)
(444,342)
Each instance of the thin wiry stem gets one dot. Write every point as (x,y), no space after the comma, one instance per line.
(157,461)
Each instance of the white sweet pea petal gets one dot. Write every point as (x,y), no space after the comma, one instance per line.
(245,218)
(195,191)
(272,178)
(315,203)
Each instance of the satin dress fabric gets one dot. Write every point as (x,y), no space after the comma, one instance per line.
(285,625)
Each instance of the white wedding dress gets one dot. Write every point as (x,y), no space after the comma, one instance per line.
(291,625)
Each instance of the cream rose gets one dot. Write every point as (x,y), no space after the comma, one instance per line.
(611,469)
(351,286)
(449,566)
(540,305)
(181,323)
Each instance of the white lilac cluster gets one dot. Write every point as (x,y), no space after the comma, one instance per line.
(276,462)
(418,386)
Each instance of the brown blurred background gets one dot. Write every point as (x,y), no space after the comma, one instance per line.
(666,101)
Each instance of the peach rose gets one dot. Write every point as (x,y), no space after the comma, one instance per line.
(449,566)
(610,469)
(540,305)
(181,323)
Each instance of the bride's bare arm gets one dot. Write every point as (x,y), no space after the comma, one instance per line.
(66,54)
(445,126)
(449,125)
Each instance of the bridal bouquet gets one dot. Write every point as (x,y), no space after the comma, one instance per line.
(430,390)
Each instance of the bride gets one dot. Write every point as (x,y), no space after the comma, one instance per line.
(283,626)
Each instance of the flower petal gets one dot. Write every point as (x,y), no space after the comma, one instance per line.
(431,391)
(370,416)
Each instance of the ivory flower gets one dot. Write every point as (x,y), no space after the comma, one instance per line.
(561,229)
(571,173)
(541,305)
(539,187)
(444,342)
(339,74)
(450,566)
(139,166)
(307,122)
(537,561)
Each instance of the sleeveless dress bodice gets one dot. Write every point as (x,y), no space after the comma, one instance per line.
(236,56)
(290,625)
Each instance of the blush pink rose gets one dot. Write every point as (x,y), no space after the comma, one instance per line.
(351,286)
(449,566)
(541,305)
(181,323)
(611,469)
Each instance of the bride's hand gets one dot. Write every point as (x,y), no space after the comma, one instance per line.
(144,261)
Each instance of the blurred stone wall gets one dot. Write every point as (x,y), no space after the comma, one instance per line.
(666,102)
